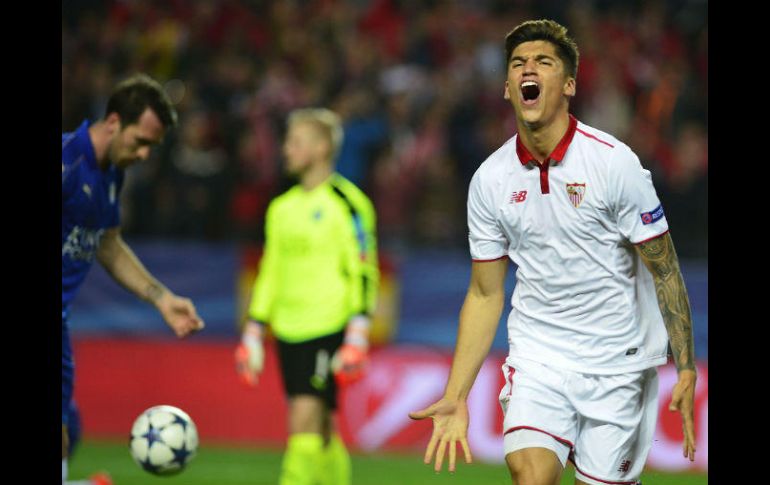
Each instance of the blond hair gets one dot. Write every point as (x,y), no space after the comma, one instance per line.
(327,122)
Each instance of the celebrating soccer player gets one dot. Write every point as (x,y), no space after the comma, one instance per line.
(599,293)
(316,288)
(93,160)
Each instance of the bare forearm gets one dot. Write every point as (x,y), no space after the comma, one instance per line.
(123,265)
(479,318)
(660,257)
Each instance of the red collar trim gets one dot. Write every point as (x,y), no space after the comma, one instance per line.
(557,155)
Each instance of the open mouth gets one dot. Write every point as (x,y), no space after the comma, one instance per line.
(530,91)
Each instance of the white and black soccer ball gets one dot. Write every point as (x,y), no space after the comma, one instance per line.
(163,440)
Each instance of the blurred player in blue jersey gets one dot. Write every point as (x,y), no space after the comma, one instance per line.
(92,162)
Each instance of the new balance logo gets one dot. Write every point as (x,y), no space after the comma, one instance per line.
(517,197)
(624,466)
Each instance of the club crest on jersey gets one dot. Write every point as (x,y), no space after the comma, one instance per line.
(575,192)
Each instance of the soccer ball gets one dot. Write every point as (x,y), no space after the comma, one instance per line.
(163,440)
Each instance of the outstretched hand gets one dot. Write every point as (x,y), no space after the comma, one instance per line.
(450,426)
(179,313)
(682,398)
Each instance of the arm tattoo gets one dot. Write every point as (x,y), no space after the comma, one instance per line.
(661,260)
(153,292)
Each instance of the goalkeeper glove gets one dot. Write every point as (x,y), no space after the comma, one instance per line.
(351,359)
(250,353)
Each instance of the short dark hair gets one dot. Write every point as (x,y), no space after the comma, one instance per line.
(132,96)
(549,31)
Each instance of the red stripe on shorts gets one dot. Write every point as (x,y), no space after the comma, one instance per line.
(557,438)
(633,482)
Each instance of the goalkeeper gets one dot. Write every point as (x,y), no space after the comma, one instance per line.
(316,288)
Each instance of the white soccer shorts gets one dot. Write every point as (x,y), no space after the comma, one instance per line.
(602,423)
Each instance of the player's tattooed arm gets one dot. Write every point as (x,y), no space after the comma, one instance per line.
(660,258)
(123,265)
(154,291)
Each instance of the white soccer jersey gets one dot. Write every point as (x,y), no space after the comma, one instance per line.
(583,298)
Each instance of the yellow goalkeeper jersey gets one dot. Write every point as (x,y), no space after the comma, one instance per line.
(319,266)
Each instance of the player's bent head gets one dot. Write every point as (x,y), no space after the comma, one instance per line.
(325,123)
(546,30)
(139,112)
(132,96)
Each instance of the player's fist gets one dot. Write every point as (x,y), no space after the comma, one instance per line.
(349,364)
(250,353)
(350,361)
(180,314)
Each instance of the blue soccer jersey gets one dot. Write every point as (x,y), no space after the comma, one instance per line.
(89,197)
(90,204)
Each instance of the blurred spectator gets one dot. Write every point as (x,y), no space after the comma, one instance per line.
(199,171)
(418,84)
(684,190)
(608,108)
(365,130)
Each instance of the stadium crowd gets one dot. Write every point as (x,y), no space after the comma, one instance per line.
(419,85)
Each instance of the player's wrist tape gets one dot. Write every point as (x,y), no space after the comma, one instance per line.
(357,331)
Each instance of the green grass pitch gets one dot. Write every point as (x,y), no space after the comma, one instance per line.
(229,465)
